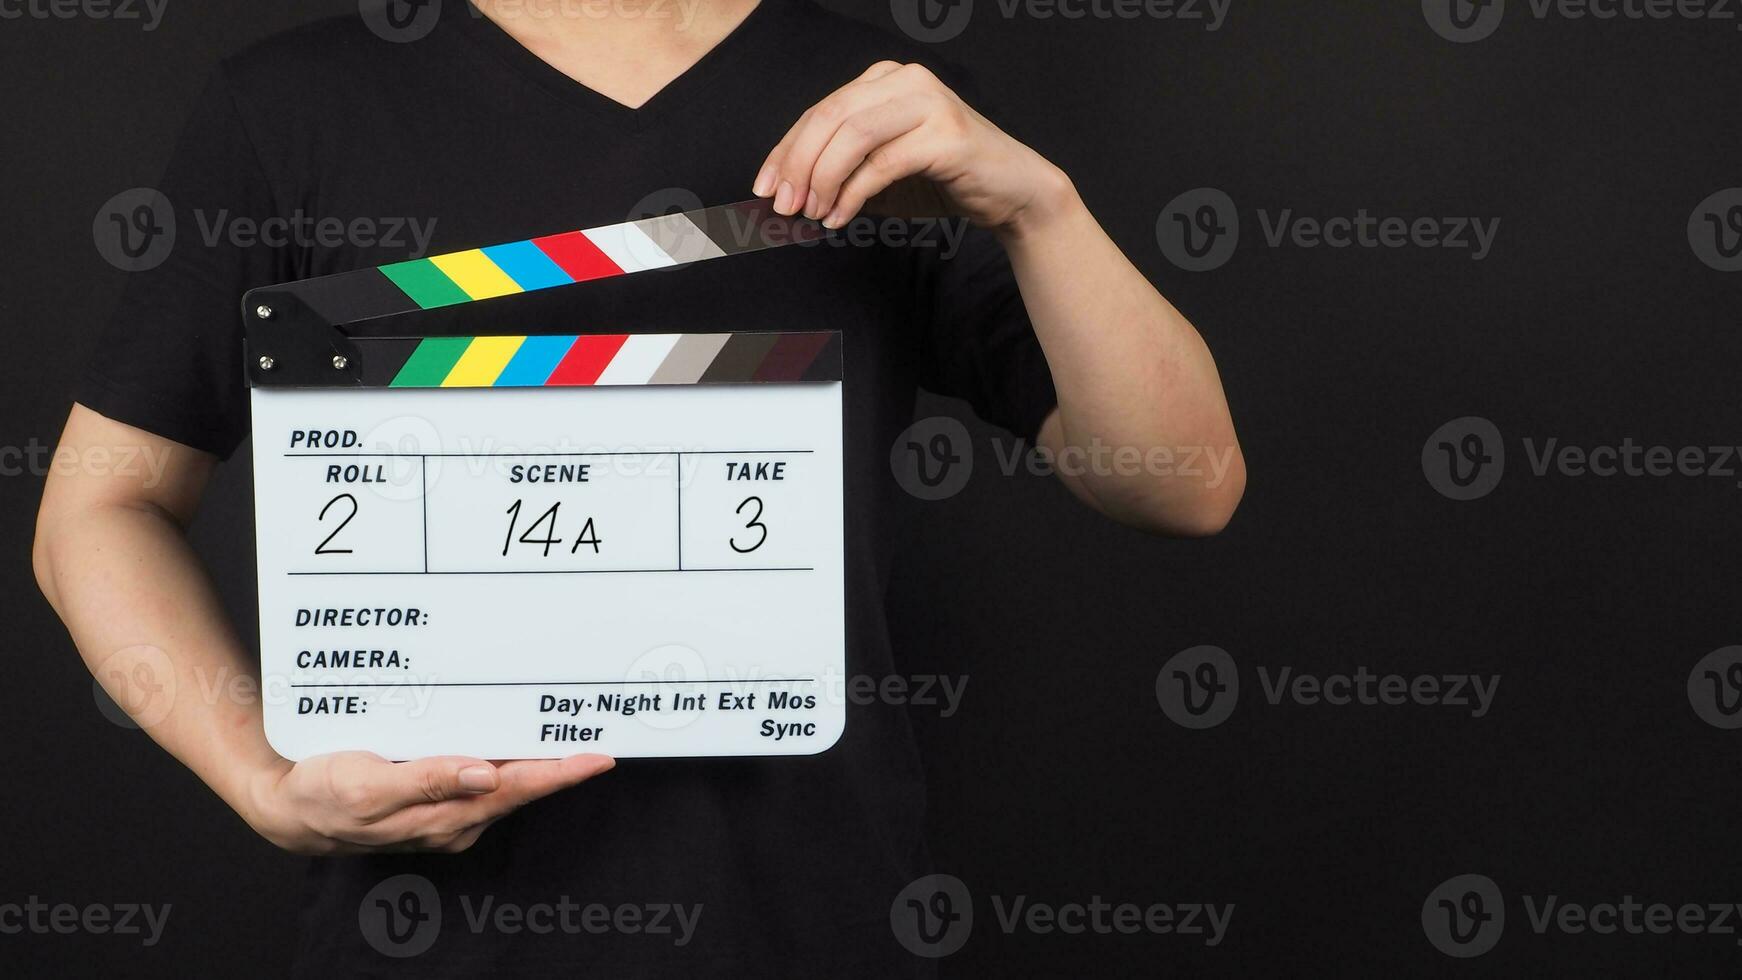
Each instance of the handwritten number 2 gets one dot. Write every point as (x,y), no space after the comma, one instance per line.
(322,549)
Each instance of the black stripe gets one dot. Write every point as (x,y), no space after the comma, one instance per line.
(382,358)
(352,296)
(750,226)
(827,366)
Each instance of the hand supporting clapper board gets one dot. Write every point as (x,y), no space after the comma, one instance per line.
(531,546)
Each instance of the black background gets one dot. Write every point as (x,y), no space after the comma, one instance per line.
(1060,778)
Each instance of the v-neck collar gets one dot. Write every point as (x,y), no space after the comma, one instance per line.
(697,78)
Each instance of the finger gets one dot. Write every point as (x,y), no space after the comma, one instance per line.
(529,779)
(793,158)
(429,825)
(856,138)
(902,157)
(371,788)
(521,782)
(767,178)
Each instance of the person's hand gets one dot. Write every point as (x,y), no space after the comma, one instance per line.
(353,802)
(898,134)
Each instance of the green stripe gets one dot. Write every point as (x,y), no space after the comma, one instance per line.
(427,285)
(431,362)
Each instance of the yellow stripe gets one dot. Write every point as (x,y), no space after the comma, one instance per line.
(473,272)
(482,362)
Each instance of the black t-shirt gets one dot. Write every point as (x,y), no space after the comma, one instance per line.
(466,137)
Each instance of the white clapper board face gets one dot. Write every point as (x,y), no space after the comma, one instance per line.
(529,547)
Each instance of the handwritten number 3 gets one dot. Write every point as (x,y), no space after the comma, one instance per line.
(755,522)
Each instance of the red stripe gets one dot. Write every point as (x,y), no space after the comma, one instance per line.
(577,256)
(586,360)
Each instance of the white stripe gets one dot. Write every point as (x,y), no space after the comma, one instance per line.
(637,359)
(629,247)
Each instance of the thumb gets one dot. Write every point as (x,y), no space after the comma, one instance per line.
(439,778)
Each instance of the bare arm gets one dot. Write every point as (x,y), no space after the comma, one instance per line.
(1142,431)
(1135,381)
(112,558)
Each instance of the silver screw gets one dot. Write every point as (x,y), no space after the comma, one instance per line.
(266,363)
(263,311)
(340,362)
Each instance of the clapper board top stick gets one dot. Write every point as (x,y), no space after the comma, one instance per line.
(320,332)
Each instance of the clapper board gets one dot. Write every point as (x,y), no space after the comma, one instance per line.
(528,546)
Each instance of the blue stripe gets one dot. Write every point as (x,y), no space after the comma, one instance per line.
(527,265)
(534,361)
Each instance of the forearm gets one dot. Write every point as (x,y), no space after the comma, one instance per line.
(1140,402)
(137,603)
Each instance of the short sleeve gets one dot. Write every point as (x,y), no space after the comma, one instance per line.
(170,358)
(982,345)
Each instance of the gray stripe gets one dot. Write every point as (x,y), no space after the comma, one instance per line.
(688,359)
(679,238)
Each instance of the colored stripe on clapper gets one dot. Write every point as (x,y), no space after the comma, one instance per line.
(610,359)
